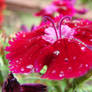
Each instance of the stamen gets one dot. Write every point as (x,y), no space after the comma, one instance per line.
(52,21)
(61,21)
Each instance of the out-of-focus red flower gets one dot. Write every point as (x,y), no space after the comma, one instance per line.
(60,44)
(57,6)
(61,7)
(71,1)
(2,7)
(64,7)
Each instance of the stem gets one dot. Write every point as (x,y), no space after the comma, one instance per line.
(76,82)
(57,86)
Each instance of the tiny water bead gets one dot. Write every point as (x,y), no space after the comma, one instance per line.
(66,59)
(57,52)
(30,66)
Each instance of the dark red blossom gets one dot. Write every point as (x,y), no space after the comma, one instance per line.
(12,85)
(60,44)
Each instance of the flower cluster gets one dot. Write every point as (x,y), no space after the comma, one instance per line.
(62,44)
(62,7)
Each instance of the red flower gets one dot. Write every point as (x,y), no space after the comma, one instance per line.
(62,7)
(63,46)
(57,6)
(2,7)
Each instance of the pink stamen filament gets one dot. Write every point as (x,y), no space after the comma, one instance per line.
(61,21)
(52,21)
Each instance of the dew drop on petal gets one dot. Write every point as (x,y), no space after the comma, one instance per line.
(70,68)
(56,52)
(17,61)
(84,33)
(81,65)
(22,69)
(54,71)
(61,74)
(66,59)
(29,66)
(82,48)
(90,40)
(24,35)
(74,57)
(20,58)
(86,65)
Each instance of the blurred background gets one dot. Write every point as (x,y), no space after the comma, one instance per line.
(20,12)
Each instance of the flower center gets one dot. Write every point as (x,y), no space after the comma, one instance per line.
(53,33)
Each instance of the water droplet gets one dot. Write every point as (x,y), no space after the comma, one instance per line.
(59,42)
(86,65)
(90,40)
(17,61)
(62,72)
(54,71)
(29,40)
(56,52)
(83,48)
(30,66)
(75,24)
(20,58)
(81,65)
(84,33)
(66,59)
(70,68)
(74,58)
(61,75)
(22,69)
(24,35)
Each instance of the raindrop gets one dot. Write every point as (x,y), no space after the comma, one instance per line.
(59,42)
(90,40)
(56,52)
(81,65)
(84,33)
(70,68)
(20,58)
(86,65)
(29,66)
(75,24)
(54,71)
(17,61)
(83,48)
(61,75)
(61,72)
(24,35)
(74,58)
(29,40)
(22,69)
(66,59)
